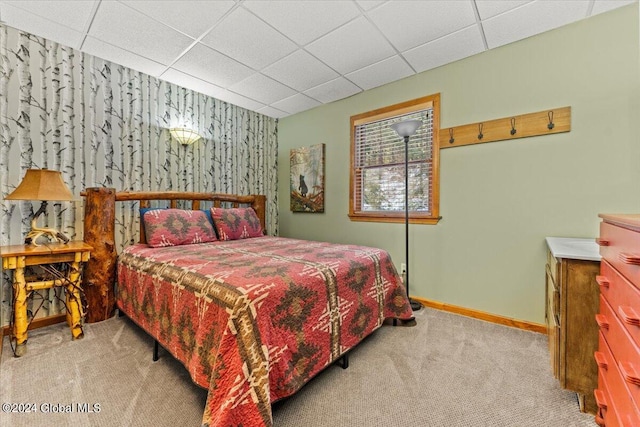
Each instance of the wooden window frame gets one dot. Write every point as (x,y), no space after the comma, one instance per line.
(431,101)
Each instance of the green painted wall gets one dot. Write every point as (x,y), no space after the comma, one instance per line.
(498,200)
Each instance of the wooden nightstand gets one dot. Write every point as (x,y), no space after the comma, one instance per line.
(18,257)
(572,303)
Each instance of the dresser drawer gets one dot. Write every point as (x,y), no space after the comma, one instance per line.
(623,297)
(610,377)
(552,267)
(607,413)
(621,248)
(627,354)
(553,298)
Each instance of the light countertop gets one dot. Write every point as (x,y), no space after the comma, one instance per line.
(574,248)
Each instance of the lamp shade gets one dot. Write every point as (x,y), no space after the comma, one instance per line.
(406,128)
(184,136)
(41,184)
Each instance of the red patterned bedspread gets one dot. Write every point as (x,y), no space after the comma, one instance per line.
(253,320)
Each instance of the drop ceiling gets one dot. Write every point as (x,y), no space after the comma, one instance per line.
(283,57)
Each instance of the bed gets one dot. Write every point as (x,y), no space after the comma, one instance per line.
(252,318)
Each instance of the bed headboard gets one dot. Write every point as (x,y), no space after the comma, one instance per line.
(99,232)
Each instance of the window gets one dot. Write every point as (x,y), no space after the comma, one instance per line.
(377,181)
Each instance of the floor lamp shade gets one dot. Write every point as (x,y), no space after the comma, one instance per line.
(407,127)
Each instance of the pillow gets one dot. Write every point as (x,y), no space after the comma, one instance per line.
(236,223)
(175,227)
(207,212)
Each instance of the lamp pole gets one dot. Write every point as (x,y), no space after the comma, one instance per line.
(405,129)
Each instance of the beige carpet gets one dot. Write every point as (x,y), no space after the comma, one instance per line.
(447,371)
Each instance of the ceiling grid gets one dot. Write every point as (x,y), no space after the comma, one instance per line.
(281,57)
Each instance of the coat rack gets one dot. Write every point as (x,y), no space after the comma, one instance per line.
(546,122)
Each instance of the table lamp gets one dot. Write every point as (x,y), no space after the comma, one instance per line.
(44,185)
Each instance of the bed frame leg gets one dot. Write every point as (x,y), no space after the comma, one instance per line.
(120,313)
(344,361)
(155,350)
(395,322)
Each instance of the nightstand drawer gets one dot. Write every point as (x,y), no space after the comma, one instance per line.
(623,297)
(621,248)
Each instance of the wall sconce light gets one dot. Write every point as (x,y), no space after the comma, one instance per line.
(184,136)
(45,185)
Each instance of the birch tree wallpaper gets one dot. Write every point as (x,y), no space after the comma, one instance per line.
(105,125)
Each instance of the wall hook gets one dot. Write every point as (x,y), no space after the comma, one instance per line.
(513,125)
(480,135)
(451,139)
(550,125)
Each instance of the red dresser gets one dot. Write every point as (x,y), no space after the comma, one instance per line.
(618,355)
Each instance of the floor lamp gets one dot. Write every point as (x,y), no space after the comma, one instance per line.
(405,129)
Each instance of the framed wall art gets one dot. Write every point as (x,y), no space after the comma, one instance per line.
(307,179)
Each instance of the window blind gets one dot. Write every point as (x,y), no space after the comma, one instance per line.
(379,165)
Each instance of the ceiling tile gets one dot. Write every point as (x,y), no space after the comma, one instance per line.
(272,112)
(129,29)
(208,64)
(304,21)
(531,19)
(296,103)
(185,80)
(262,89)
(248,40)
(332,91)
(28,22)
(369,4)
(408,24)
(388,70)
(490,8)
(114,54)
(300,71)
(190,17)
(242,101)
(351,47)
(447,49)
(601,6)
(72,14)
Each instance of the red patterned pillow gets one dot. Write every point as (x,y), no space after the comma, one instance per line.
(236,223)
(175,227)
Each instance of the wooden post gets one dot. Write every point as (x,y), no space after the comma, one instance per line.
(100,271)
(259,205)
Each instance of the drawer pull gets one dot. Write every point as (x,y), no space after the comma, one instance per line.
(602,321)
(600,399)
(630,373)
(601,360)
(629,315)
(628,258)
(602,242)
(599,420)
(603,282)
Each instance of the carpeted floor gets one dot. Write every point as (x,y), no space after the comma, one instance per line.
(448,370)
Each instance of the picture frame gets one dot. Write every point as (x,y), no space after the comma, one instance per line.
(307,179)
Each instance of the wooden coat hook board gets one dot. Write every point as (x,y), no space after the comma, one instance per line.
(556,120)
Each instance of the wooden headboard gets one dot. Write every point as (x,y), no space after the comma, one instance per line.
(99,232)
